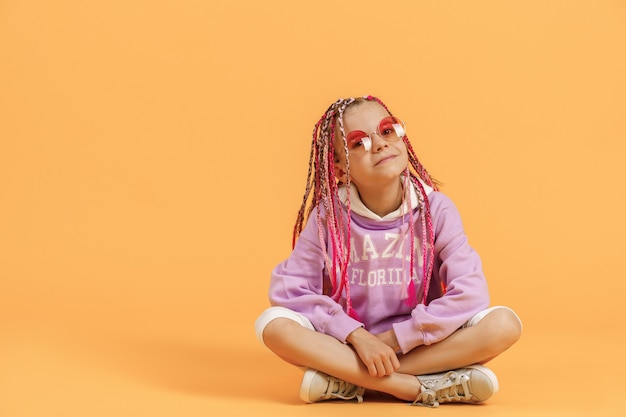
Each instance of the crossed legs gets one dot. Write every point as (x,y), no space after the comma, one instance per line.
(479,343)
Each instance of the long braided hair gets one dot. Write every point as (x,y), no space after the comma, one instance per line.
(322,190)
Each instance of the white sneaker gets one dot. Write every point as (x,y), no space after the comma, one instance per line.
(317,386)
(472,384)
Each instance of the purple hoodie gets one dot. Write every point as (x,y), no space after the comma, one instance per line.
(375,276)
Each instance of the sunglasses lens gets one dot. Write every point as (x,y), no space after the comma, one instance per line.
(391,128)
(358,141)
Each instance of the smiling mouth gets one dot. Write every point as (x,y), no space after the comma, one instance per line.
(385,159)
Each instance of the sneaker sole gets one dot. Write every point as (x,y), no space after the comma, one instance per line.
(305,386)
(492,376)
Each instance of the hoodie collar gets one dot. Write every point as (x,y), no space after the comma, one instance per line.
(357,206)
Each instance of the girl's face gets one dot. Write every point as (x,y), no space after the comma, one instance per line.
(384,162)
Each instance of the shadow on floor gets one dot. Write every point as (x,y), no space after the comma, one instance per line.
(203,370)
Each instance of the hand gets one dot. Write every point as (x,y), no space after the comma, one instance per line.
(378,357)
(389,338)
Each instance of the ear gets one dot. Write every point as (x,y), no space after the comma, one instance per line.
(340,173)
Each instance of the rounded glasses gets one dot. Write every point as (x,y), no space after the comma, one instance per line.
(390,129)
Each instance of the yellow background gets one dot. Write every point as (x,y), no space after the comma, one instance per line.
(153,155)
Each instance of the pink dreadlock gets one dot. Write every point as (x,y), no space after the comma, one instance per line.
(321,180)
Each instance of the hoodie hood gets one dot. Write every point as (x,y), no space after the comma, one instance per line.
(357,206)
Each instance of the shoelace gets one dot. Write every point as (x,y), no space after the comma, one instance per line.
(444,390)
(345,390)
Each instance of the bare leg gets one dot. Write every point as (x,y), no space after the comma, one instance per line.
(477,344)
(303,347)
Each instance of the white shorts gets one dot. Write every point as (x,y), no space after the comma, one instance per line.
(282,312)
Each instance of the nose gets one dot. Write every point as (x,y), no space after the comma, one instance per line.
(378,143)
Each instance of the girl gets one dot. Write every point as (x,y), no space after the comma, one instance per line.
(382,290)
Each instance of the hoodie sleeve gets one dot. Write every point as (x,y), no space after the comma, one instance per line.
(298,284)
(459,268)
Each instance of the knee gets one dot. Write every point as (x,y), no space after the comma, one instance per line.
(270,322)
(505,328)
(276,330)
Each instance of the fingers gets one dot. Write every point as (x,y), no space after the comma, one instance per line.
(383,366)
(388,367)
(377,356)
(372,369)
(395,362)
